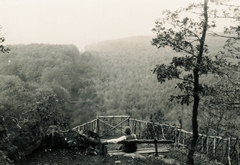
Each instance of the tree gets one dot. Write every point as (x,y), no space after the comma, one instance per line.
(12,95)
(37,80)
(2,47)
(186,36)
(223,115)
(88,104)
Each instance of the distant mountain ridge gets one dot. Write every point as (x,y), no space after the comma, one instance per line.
(141,43)
(128,44)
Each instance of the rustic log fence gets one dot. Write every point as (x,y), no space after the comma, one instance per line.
(224,150)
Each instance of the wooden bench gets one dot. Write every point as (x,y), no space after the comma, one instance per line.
(141,141)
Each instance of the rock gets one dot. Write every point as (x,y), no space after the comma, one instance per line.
(13,132)
(30,137)
(165,159)
(16,154)
(157,157)
(134,155)
(170,161)
(117,162)
(3,159)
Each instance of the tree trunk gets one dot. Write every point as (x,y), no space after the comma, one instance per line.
(190,160)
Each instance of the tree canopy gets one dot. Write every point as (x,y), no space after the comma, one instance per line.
(188,36)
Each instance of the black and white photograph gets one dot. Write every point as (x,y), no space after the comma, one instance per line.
(119,82)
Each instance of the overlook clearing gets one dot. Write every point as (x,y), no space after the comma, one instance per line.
(224,150)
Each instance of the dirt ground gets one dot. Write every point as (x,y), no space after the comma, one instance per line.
(71,157)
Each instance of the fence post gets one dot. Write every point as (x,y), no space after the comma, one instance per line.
(238,151)
(156,147)
(229,151)
(92,127)
(214,146)
(163,135)
(178,135)
(121,125)
(139,129)
(207,145)
(114,130)
(98,127)
(184,135)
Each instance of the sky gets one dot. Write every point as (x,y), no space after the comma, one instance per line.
(79,22)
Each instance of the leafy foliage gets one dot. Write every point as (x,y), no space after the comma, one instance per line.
(3,49)
(40,81)
(184,35)
(187,36)
(222,116)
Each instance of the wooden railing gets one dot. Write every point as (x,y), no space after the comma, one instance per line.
(225,150)
(91,125)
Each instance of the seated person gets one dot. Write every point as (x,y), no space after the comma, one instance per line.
(126,147)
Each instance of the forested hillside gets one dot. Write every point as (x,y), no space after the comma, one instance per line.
(128,84)
(59,85)
(127,81)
